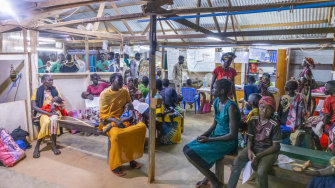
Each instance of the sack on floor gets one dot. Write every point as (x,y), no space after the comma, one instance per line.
(75,114)
(10,152)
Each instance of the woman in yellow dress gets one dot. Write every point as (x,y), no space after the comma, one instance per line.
(49,125)
(127,144)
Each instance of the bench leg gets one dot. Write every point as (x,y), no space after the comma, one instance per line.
(109,147)
(219,170)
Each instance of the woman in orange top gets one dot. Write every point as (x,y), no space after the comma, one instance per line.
(225,72)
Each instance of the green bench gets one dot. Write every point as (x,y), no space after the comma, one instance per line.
(319,159)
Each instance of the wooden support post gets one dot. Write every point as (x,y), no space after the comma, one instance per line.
(152,89)
(163,58)
(334,59)
(1,43)
(25,40)
(281,71)
(33,41)
(288,55)
(64,48)
(87,54)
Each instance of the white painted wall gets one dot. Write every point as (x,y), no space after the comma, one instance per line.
(13,115)
(6,83)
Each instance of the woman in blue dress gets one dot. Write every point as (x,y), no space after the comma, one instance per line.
(220,139)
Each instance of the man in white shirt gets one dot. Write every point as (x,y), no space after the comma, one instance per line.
(81,64)
(53,60)
(133,65)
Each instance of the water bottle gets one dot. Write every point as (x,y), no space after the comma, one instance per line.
(204,83)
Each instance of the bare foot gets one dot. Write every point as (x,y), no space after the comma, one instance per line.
(306,165)
(55,150)
(297,169)
(36,153)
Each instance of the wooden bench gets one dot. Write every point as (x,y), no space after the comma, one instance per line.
(285,171)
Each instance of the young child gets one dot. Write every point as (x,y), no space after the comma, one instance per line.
(58,104)
(263,146)
(252,105)
(127,118)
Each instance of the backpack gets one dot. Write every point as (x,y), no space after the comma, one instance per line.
(10,152)
(20,134)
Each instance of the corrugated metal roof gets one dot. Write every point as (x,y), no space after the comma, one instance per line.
(301,15)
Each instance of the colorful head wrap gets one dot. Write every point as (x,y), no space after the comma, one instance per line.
(264,82)
(309,61)
(228,55)
(268,101)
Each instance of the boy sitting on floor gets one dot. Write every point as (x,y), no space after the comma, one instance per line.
(263,146)
(127,118)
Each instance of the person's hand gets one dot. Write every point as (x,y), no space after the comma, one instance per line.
(202,139)
(251,155)
(120,124)
(52,114)
(105,67)
(90,97)
(255,160)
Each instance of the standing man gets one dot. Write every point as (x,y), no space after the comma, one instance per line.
(52,61)
(177,74)
(81,64)
(102,64)
(55,67)
(134,65)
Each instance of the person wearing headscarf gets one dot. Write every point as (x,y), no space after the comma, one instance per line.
(264,137)
(263,85)
(305,80)
(266,75)
(225,72)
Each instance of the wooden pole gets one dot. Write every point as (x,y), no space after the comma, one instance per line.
(25,40)
(288,56)
(87,54)
(281,71)
(64,48)
(163,58)
(152,89)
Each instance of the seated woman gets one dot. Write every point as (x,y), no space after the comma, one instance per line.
(220,139)
(94,90)
(44,95)
(263,86)
(291,110)
(127,144)
(135,94)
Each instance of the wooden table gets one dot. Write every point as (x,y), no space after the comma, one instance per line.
(203,92)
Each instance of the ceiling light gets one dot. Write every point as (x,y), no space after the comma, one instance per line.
(169,7)
(213,38)
(6,8)
(144,47)
(261,44)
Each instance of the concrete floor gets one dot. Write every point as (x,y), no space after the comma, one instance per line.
(83,164)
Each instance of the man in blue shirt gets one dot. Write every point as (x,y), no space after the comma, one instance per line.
(250,88)
(169,94)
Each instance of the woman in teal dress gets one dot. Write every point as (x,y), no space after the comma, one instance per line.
(220,139)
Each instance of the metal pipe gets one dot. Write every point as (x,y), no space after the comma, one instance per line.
(11,87)
(316,5)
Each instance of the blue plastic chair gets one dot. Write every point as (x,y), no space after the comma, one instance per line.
(189,95)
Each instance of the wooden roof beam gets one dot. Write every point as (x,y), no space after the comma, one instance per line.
(101,10)
(172,30)
(123,20)
(61,4)
(248,43)
(197,20)
(214,18)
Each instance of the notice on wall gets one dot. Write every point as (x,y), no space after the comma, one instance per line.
(137,48)
(201,60)
(127,49)
(172,59)
(105,44)
(241,57)
(257,54)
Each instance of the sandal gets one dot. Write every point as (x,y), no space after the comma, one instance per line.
(119,173)
(200,184)
(136,165)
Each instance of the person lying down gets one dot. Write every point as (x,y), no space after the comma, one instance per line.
(127,118)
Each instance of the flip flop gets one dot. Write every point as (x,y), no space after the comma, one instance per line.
(119,173)
(137,166)
(201,185)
